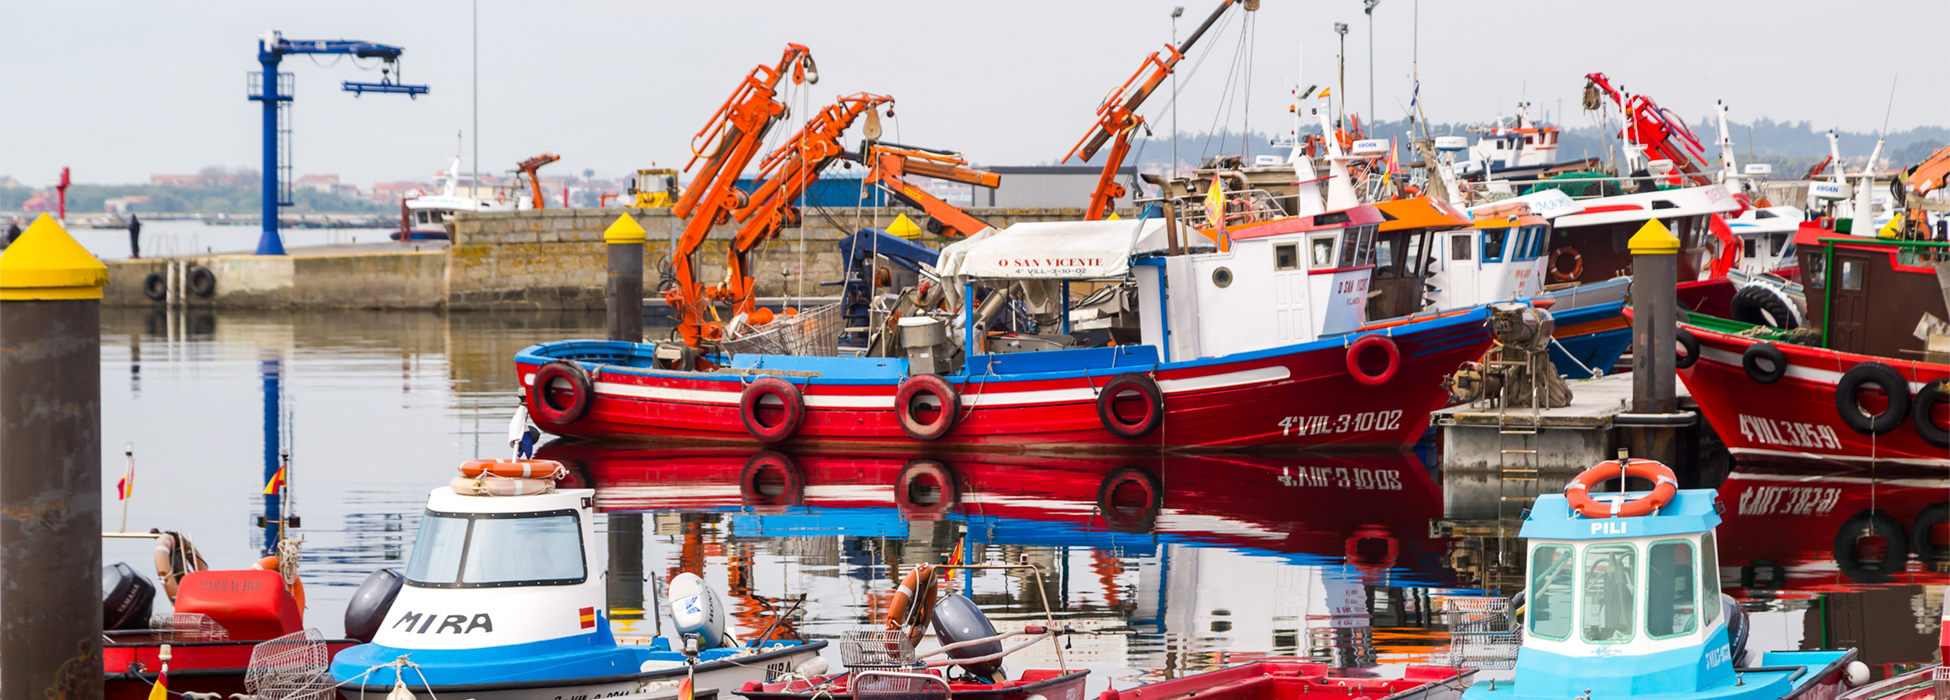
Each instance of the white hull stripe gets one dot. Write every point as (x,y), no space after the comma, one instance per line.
(1825,377)
(972,395)
(1818,457)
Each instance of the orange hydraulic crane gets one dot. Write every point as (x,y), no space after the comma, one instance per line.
(1117,116)
(527,169)
(734,135)
(888,163)
(783,177)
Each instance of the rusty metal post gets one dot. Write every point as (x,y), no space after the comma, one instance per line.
(1655,321)
(624,293)
(50,466)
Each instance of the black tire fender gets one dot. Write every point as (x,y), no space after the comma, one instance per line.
(1848,405)
(1759,358)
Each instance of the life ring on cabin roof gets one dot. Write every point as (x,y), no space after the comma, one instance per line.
(1577,264)
(1361,349)
(791,404)
(1151,398)
(514,468)
(1664,486)
(947,405)
(544,401)
(913,604)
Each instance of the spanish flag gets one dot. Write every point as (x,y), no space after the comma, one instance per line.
(1326,92)
(160,691)
(276,484)
(126,486)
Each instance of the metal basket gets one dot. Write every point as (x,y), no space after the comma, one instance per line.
(295,666)
(879,685)
(179,627)
(814,333)
(876,649)
(1482,633)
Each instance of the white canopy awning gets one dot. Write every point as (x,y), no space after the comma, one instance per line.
(1054,250)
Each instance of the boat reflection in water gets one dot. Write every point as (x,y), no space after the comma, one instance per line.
(1180,564)
(1834,556)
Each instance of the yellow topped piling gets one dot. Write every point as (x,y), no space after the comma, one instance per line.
(47,263)
(625,230)
(1653,238)
(904,227)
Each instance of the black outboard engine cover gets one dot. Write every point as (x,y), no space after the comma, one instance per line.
(367,609)
(127,598)
(956,619)
(1737,629)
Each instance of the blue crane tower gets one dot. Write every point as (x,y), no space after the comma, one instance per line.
(274,90)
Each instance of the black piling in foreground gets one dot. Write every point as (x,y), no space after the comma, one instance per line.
(50,466)
(624,293)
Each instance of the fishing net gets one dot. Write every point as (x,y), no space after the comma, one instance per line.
(1483,633)
(876,649)
(814,333)
(296,666)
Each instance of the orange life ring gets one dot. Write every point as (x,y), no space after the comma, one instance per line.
(1577,264)
(297,587)
(514,468)
(913,604)
(1664,486)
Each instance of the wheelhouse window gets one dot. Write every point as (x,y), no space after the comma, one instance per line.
(1709,578)
(1671,589)
(1493,242)
(1748,247)
(1817,273)
(1417,255)
(1384,259)
(1357,246)
(1321,252)
(1286,256)
(1852,275)
(485,550)
(1610,578)
(1552,592)
(1459,247)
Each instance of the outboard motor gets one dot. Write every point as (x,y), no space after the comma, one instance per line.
(696,610)
(127,598)
(957,619)
(368,607)
(1737,629)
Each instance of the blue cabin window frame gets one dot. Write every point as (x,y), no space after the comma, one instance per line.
(1493,254)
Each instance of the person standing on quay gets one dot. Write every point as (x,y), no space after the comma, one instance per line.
(135,238)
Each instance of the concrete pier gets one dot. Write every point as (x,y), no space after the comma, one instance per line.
(547,259)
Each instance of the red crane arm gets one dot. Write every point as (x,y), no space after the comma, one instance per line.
(784,176)
(1117,114)
(738,130)
(888,166)
(1658,131)
(528,168)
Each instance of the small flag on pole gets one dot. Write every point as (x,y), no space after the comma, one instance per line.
(277,483)
(160,691)
(1326,92)
(126,486)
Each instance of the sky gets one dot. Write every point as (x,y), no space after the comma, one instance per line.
(120,89)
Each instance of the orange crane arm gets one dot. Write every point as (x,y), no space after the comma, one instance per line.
(1117,114)
(784,176)
(735,132)
(1929,175)
(528,168)
(888,165)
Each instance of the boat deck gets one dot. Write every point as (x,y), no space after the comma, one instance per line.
(1596,404)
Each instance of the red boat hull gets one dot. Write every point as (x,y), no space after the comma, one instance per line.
(1044,683)
(202,667)
(1796,418)
(1298,397)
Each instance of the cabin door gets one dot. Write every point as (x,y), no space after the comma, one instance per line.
(1397,287)
(1849,300)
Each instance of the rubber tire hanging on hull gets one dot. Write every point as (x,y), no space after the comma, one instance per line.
(1880,524)
(787,394)
(904,487)
(1922,414)
(1751,362)
(1919,533)
(1126,519)
(1361,347)
(911,388)
(1882,376)
(541,402)
(1154,406)
(1688,342)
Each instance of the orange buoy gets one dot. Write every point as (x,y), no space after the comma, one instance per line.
(515,468)
(1664,486)
(913,603)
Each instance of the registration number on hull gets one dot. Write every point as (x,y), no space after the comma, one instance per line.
(1770,431)
(1303,426)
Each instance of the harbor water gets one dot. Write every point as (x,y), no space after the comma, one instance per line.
(1171,564)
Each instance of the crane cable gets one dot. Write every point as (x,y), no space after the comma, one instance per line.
(1229,95)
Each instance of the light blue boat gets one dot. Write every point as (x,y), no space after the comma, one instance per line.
(1629,607)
